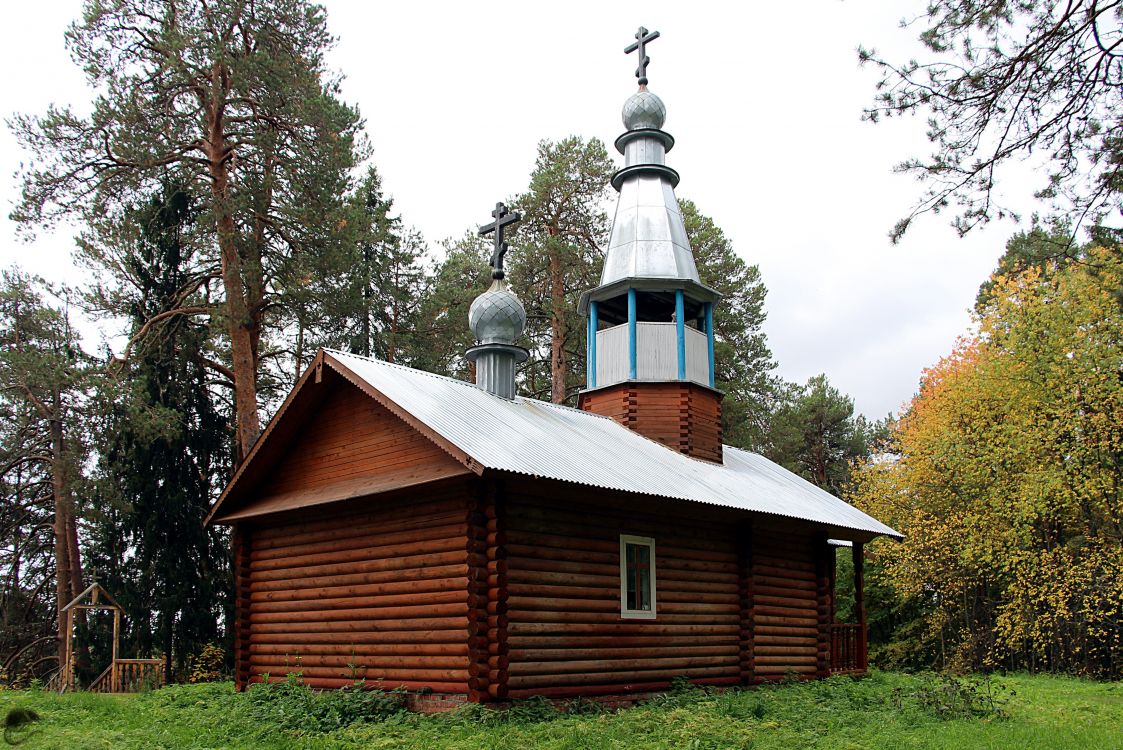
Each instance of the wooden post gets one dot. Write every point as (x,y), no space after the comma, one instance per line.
(68,674)
(113,683)
(823,606)
(745,589)
(860,604)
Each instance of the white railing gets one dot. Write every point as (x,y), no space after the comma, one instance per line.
(656,354)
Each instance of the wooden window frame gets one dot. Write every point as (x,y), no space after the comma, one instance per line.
(649,542)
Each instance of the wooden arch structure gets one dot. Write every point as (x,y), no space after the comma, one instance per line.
(122,675)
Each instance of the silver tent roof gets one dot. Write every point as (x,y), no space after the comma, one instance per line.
(541,439)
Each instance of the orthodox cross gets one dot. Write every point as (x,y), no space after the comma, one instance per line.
(642,38)
(502,218)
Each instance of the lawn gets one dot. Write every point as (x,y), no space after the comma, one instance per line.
(882,711)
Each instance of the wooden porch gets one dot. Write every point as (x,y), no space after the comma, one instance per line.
(122,675)
(848,642)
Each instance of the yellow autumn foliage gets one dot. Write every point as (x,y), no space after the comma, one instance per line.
(1006,476)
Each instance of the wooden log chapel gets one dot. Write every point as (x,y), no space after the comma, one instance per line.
(468,544)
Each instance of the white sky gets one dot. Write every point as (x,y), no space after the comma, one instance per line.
(764,101)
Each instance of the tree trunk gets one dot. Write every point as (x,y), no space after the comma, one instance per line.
(557,323)
(240,323)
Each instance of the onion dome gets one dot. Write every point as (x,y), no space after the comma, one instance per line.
(497,316)
(644,111)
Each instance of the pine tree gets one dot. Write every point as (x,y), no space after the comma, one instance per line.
(44,379)
(235,100)
(556,255)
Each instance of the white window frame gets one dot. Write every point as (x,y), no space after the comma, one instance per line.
(636,614)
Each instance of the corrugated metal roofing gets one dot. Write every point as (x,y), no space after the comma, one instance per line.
(541,439)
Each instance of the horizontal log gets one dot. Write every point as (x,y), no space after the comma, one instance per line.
(620,627)
(378,649)
(654,640)
(394,580)
(789,593)
(760,619)
(607,618)
(334,683)
(612,605)
(787,563)
(402,614)
(785,573)
(458,622)
(783,640)
(396,588)
(761,609)
(603,665)
(786,630)
(761,650)
(343,671)
(261,662)
(516,682)
(647,652)
(785,659)
(783,583)
(783,601)
(348,639)
(419,599)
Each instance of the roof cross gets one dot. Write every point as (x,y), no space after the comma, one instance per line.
(502,218)
(643,36)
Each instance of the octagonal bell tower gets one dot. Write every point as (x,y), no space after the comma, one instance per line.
(650,348)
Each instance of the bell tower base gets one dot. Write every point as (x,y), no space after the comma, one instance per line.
(681,415)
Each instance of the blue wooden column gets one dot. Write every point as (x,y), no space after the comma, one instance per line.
(710,338)
(591,378)
(631,334)
(680,332)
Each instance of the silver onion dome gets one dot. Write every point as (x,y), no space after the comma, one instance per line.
(644,110)
(497,316)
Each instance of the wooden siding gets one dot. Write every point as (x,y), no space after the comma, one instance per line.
(682,416)
(787,611)
(564,633)
(382,594)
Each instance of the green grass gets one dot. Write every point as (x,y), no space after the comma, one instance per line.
(883,711)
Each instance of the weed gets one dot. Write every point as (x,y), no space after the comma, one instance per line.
(946,696)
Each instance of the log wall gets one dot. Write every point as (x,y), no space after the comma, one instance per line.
(564,633)
(381,595)
(786,617)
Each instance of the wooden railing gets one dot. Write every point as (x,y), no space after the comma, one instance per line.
(129,676)
(848,648)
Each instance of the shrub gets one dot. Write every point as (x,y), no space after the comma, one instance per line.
(948,697)
(207,665)
(293,705)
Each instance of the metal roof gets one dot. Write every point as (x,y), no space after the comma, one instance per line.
(541,439)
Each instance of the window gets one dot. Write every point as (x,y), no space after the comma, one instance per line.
(637,577)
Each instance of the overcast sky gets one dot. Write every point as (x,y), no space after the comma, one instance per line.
(764,101)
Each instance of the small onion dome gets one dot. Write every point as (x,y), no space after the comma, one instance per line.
(497,316)
(644,110)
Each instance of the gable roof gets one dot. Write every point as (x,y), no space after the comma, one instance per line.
(541,439)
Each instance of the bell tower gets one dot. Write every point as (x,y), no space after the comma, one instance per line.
(650,347)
